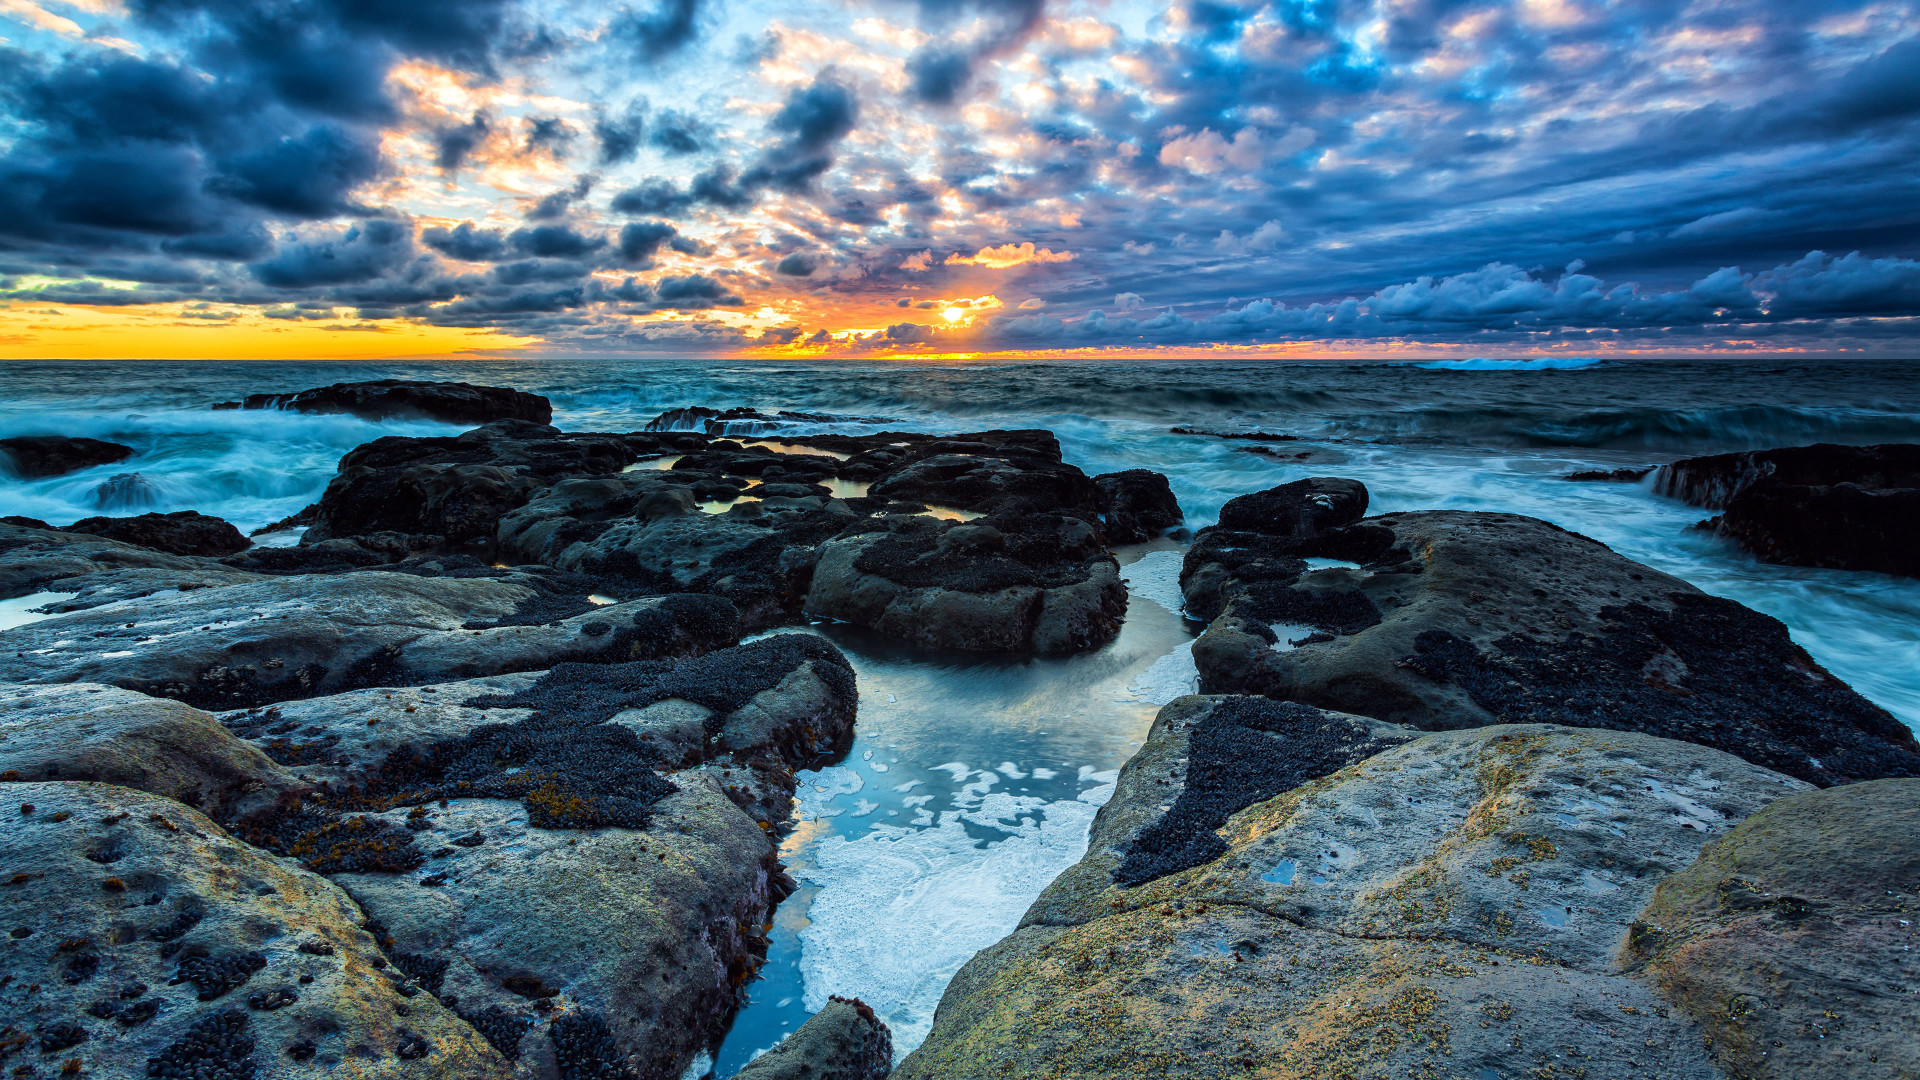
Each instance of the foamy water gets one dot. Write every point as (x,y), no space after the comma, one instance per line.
(972,781)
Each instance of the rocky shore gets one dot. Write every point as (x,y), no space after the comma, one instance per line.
(486,775)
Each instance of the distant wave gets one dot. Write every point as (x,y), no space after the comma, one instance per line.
(1481,363)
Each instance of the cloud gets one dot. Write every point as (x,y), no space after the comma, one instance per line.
(362,252)
(918,262)
(1206,152)
(466,242)
(1265,238)
(1009,255)
(798,264)
(1725,221)
(665,29)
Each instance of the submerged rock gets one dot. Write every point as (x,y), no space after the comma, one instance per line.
(390,399)
(844,1041)
(143,941)
(183,532)
(84,731)
(1447,619)
(1451,905)
(34,457)
(1790,939)
(1846,507)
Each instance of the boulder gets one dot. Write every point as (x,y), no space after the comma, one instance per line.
(1136,505)
(581,864)
(1014,582)
(1844,507)
(144,941)
(272,639)
(403,399)
(1790,939)
(1450,906)
(184,532)
(1454,619)
(844,1041)
(85,731)
(33,457)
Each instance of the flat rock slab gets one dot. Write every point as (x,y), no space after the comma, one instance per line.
(1457,619)
(86,731)
(265,640)
(139,932)
(1791,940)
(1451,904)
(35,559)
(383,399)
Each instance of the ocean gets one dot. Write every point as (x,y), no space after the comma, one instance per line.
(972,781)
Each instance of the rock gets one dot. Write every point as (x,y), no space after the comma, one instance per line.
(184,532)
(844,1041)
(1302,509)
(32,457)
(263,640)
(142,933)
(82,731)
(1314,456)
(1256,436)
(1456,619)
(402,399)
(1609,476)
(33,558)
(973,481)
(1451,906)
(743,421)
(577,902)
(1136,505)
(1014,582)
(1844,507)
(1790,939)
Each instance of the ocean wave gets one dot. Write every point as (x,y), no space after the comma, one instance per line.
(1482,363)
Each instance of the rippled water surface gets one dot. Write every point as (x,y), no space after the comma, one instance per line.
(971,782)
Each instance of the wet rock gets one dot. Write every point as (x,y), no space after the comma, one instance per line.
(844,1041)
(1455,619)
(1790,939)
(265,640)
(1452,905)
(403,399)
(1302,509)
(33,457)
(184,532)
(744,421)
(1845,507)
(166,968)
(458,488)
(1013,582)
(35,558)
(82,731)
(1136,505)
(1609,476)
(978,482)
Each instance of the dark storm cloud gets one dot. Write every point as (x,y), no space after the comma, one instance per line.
(642,240)
(467,243)
(554,242)
(653,33)
(364,252)
(798,264)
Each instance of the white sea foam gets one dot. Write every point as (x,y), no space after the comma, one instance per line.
(1173,675)
(1155,576)
(818,790)
(901,908)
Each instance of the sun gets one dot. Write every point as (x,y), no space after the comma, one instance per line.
(953,314)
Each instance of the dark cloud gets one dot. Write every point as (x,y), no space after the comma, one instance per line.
(554,242)
(641,240)
(467,243)
(550,135)
(702,290)
(452,145)
(556,204)
(939,71)
(308,176)
(679,134)
(798,264)
(666,28)
(364,252)
(620,136)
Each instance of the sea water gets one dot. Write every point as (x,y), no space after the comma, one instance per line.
(972,780)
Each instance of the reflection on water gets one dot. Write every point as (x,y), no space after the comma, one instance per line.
(19,611)
(971,784)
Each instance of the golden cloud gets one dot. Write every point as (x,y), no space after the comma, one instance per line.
(1007,255)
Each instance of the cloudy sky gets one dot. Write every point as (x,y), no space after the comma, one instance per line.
(929,177)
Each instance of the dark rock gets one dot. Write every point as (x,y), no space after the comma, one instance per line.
(1314,456)
(1300,510)
(184,532)
(1013,582)
(32,457)
(1824,886)
(743,421)
(1614,476)
(1505,619)
(388,399)
(1844,507)
(1136,505)
(1256,436)
(844,1041)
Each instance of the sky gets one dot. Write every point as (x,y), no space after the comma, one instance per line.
(929,178)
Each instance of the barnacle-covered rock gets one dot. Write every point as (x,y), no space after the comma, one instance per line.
(844,1041)
(273,639)
(1448,619)
(85,731)
(159,976)
(1453,905)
